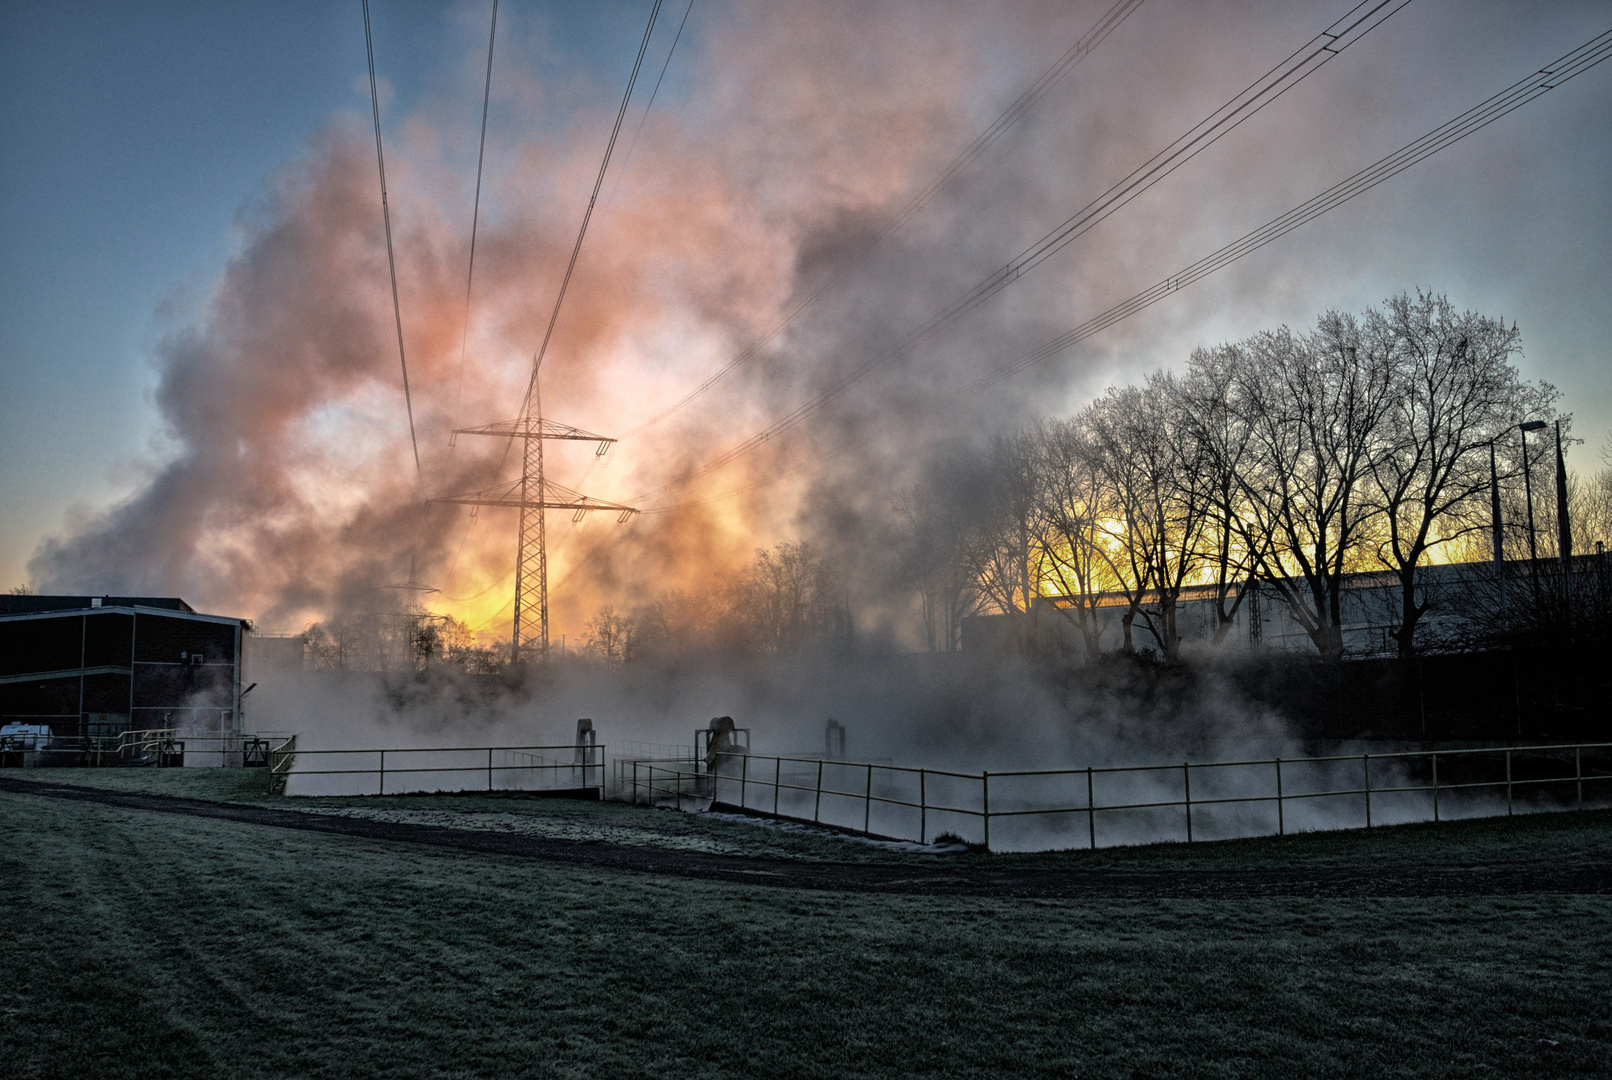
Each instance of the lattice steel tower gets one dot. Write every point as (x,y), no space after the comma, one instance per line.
(534,494)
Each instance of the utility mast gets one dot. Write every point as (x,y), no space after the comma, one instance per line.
(415,617)
(534,494)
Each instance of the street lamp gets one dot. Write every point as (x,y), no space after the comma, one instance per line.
(1498,535)
(1528,493)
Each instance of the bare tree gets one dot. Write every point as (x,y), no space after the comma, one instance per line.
(1453,394)
(1005,548)
(933,560)
(1591,502)
(1069,485)
(789,598)
(1229,545)
(1314,406)
(609,635)
(1153,464)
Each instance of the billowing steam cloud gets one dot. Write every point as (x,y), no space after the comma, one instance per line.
(288,494)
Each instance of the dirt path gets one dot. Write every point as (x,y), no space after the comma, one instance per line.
(957,876)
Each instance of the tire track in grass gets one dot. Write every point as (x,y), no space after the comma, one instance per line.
(958,876)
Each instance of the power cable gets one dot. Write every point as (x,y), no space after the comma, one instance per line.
(565,282)
(1474,119)
(621,173)
(1013,114)
(391,259)
(475,212)
(1304,62)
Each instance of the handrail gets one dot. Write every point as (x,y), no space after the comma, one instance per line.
(593,758)
(739,773)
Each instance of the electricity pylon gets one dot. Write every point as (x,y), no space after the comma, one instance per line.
(415,616)
(533,493)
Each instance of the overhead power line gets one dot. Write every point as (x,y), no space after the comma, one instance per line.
(653,94)
(587,215)
(1013,114)
(1304,62)
(391,259)
(533,493)
(475,211)
(1480,116)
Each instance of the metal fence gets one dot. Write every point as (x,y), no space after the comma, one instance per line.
(146,746)
(395,770)
(1072,807)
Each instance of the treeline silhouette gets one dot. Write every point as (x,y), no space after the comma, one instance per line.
(1287,459)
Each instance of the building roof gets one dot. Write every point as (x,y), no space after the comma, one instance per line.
(125,609)
(27,603)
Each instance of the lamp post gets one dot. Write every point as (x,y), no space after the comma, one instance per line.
(1564,522)
(1528,493)
(1498,536)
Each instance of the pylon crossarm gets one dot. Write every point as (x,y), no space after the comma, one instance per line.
(509,495)
(534,427)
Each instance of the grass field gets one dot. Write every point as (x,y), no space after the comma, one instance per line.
(152,945)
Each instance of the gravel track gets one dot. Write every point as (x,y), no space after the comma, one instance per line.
(970,875)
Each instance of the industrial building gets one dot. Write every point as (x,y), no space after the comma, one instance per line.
(1461,597)
(94,667)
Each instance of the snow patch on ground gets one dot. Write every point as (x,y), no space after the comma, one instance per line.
(799,828)
(528,825)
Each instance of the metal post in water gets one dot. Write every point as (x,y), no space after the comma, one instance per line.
(1578,775)
(1435,787)
(818,805)
(867,801)
(489,768)
(1508,783)
(1365,764)
(1186,778)
(635,783)
(1281,824)
(383,772)
(777,781)
(923,806)
(744,778)
(985,800)
(1091,811)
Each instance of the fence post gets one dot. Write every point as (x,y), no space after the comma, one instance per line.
(489,768)
(635,783)
(1091,811)
(777,781)
(1508,783)
(985,801)
(1186,778)
(818,805)
(679,775)
(1578,775)
(1365,765)
(1435,787)
(923,807)
(383,772)
(1281,823)
(867,800)
(744,778)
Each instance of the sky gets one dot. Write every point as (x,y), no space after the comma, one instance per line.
(199,387)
